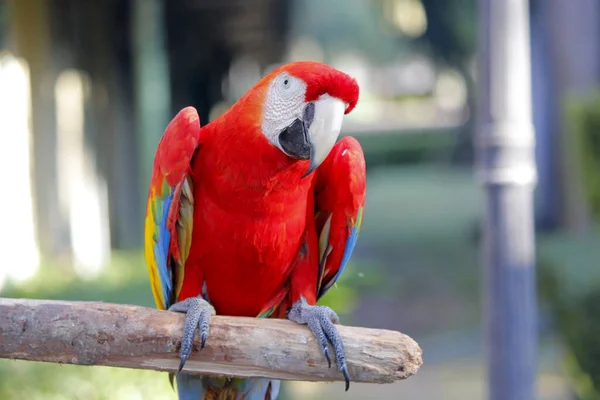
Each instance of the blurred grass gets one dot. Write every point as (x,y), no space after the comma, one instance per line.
(33,381)
(419,236)
(569,286)
(123,281)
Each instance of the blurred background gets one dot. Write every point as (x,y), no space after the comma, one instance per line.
(87,88)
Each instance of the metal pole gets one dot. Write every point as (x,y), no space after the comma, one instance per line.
(506,169)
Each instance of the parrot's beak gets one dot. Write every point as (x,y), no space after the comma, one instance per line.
(324,128)
(313,136)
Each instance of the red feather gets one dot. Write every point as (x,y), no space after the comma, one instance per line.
(255,241)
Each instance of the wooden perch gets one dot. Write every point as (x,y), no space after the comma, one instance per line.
(95,333)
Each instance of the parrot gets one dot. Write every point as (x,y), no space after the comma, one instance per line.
(256,214)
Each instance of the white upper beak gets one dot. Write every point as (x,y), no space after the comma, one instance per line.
(325,128)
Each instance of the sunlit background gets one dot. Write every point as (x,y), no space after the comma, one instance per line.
(87,88)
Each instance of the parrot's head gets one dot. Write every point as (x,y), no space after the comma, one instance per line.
(303,106)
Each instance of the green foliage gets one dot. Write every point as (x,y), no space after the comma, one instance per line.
(570,287)
(403,148)
(344,295)
(346,25)
(583,118)
(578,320)
(451,30)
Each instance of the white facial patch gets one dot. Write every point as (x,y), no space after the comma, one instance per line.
(284,103)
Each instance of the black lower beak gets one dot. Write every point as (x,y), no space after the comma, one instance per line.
(294,139)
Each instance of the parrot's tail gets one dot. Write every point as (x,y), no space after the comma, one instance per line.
(192,387)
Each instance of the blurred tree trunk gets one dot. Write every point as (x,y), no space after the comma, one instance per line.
(90,38)
(106,25)
(3,24)
(574,40)
(31,33)
(152,85)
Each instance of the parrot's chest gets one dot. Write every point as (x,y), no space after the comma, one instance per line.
(247,251)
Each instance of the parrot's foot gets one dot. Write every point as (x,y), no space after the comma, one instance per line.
(321,320)
(198,312)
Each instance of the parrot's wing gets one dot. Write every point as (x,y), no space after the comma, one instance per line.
(339,204)
(169,214)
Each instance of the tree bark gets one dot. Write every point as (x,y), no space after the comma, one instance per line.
(94,333)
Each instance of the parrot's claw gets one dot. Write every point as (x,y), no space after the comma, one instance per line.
(198,312)
(321,320)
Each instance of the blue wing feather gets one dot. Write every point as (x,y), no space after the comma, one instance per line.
(169,213)
(339,203)
(161,250)
(348,249)
(350,243)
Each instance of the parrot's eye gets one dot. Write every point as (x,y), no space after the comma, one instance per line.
(287,86)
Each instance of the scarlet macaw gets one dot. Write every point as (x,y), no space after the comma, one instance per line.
(257,214)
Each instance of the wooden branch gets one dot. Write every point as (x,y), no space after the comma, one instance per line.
(94,333)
